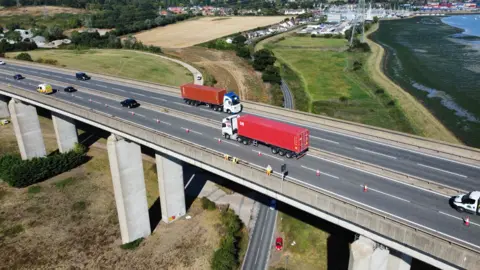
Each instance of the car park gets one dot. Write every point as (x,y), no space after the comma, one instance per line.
(18,77)
(69,89)
(130,103)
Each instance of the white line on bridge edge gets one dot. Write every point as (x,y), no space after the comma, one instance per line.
(443,213)
(189,130)
(333,176)
(381,211)
(375,153)
(234,144)
(433,168)
(322,139)
(381,176)
(263,154)
(384,193)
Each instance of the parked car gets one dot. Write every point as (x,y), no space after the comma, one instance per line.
(279,243)
(82,76)
(18,77)
(69,89)
(130,103)
(2,63)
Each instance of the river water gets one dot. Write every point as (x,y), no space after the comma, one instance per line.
(437,60)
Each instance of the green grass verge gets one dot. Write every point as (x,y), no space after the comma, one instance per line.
(65,182)
(324,82)
(34,189)
(122,63)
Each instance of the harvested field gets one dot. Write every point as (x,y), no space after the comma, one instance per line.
(192,32)
(229,70)
(38,10)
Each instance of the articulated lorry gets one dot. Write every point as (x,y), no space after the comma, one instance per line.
(469,202)
(283,139)
(215,98)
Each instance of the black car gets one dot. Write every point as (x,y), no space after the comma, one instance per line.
(130,103)
(69,89)
(18,77)
(82,76)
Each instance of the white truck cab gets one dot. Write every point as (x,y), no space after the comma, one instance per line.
(469,202)
(230,127)
(231,103)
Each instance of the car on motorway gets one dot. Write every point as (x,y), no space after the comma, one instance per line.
(279,243)
(273,204)
(44,88)
(469,202)
(69,89)
(82,76)
(2,63)
(199,77)
(18,77)
(130,103)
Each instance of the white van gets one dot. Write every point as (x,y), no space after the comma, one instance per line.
(469,202)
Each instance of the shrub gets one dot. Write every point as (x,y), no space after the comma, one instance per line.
(132,245)
(47,61)
(22,173)
(243,52)
(226,257)
(379,91)
(357,65)
(391,103)
(343,99)
(207,204)
(24,57)
(272,75)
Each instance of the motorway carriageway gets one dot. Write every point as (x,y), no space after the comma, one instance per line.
(419,207)
(437,169)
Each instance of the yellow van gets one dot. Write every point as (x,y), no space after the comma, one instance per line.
(45,88)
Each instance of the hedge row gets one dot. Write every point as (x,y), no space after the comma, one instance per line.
(21,173)
(226,257)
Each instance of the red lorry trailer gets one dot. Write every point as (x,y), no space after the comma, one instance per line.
(216,98)
(284,139)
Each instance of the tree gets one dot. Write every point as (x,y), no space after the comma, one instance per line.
(239,40)
(375,19)
(263,58)
(243,51)
(13,35)
(24,56)
(272,75)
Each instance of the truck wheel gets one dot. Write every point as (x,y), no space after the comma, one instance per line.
(274,150)
(239,139)
(227,136)
(289,155)
(281,153)
(460,209)
(229,112)
(245,142)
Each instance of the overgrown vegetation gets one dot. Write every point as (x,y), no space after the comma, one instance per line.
(132,245)
(227,256)
(16,47)
(24,57)
(22,173)
(207,204)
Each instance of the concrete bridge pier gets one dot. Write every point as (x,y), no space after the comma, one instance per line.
(129,187)
(4,113)
(27,130)
(365,254)
(65,131)
(171,187)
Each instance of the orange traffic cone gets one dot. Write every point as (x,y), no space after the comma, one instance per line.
(318,173)
(186,130)
(365,188)
(467,221)
(259,153)
(219,140)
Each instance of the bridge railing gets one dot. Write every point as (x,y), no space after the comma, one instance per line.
(419,242)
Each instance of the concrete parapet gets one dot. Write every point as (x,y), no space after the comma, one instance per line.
(421,243)
(27,130)
(4,113)
(65,131)
(170,184)
(129,187)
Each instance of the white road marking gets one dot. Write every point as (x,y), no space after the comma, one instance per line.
(263,154)
(375,153)
(182,104)
(381,176)
(433,168)
(189,130)
(60,77)
(71,80)
(141,115)
(457,218)
(321,173)
(161,122)
(96,102)
(77,97)
(100,85)
(210,111)
(384,193)
(234,144)
(33,71)
(159,98)
(142,95)
(381,211)
(322,139)
(118,89)
(188,183)
(115,108)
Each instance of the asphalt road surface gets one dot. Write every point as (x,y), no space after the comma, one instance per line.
(416,206)
(452,173)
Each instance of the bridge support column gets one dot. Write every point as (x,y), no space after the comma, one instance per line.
(129,187)
(170,184)
(399,261)
(27,130)
(65,131)
(365,254)
(4,113)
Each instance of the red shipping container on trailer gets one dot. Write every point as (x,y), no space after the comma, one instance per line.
(289,137)
(203,93)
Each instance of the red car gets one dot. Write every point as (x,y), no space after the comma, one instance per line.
(279,243)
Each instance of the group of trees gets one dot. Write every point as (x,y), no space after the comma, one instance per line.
(20,46)
(264,61)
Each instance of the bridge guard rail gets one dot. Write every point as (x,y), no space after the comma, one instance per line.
(382,227)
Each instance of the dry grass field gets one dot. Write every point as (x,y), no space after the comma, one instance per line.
(38,10)
(192,32)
